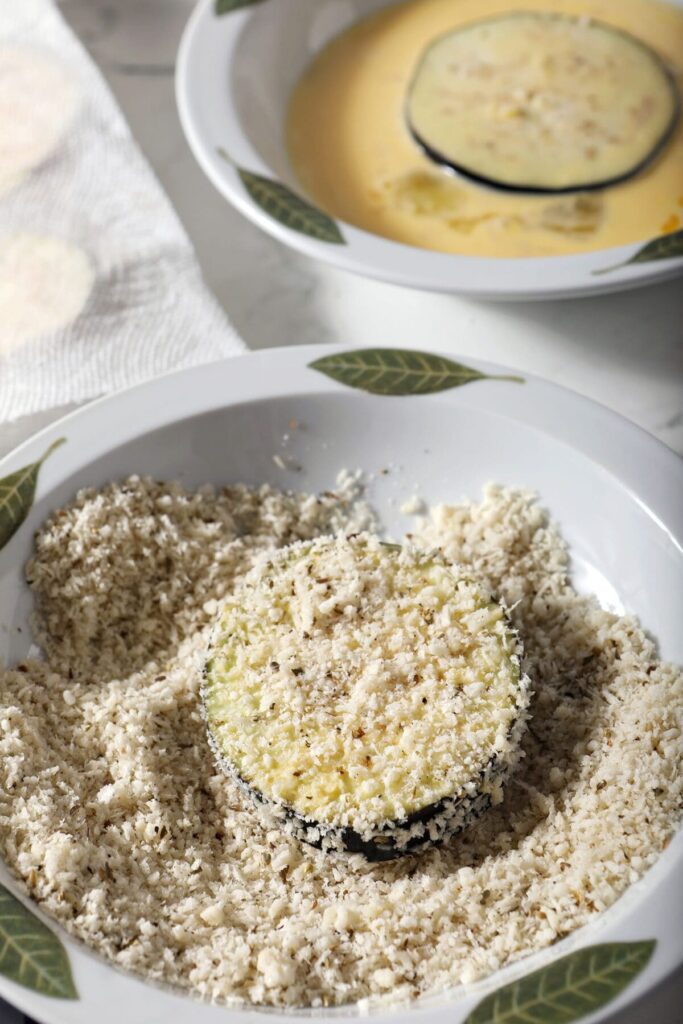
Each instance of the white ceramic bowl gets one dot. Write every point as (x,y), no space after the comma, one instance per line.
(616,493)
(235,73)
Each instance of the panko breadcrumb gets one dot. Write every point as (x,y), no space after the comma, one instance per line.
(116,819)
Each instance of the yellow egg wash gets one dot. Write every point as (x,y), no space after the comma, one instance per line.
(354,156)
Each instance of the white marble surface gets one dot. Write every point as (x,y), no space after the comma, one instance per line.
(625,351)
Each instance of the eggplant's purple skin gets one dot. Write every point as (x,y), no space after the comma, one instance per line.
(500,186)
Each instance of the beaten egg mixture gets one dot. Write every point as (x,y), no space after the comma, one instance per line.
(354,155)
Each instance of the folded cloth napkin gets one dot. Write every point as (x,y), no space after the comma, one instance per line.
(99,286)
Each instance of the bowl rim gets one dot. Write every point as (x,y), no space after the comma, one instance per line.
(211,38)
(651,473)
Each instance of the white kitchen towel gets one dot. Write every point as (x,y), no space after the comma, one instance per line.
(99,286)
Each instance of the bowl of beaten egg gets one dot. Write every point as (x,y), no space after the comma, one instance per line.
(469,146)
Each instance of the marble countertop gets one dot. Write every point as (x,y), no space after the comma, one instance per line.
(625,350)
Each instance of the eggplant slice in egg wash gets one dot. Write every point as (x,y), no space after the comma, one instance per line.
(369,697)
(541,102)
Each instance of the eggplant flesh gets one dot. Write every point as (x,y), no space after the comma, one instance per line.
(367,699)
(541,103)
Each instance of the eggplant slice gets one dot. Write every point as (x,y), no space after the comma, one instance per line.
(541,102)
(368,697)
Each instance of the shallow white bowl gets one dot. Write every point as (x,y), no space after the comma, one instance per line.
(616,493)
(235,73)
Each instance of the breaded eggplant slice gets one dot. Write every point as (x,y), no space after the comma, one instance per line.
(368,696)
(541,102)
